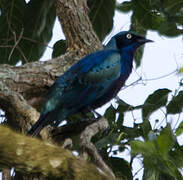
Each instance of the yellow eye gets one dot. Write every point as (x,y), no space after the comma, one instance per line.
(129,36)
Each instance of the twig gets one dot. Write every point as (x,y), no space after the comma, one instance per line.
(16,42)
(88,147)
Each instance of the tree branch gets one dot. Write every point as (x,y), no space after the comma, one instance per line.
(29,155)
(80,36)
(86,136)
(19,113)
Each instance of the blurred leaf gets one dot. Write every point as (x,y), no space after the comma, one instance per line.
(176,104)
(123,106)
(125,6)
(165,17)
(59,48)
(179,130)
(38,24)
(110,115)
(165,140)
(132,133)
(172,7)
(11,20)
(106,140)
(173,170)
(101,15)
(155,175)
(169,28)
(176,155)
(146,127)
(154,102)
(25,29)
(120,167)
(181,70)
(145,148)
(137,27)
(120,120)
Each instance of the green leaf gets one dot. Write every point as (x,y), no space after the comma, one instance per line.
(169,28)
(123,106)
(38,24)
(162,16)
(110,115)
(103,142)
(11,20)
(101,15)
(172,7)
(120,167)
(124,6)
(176,155)
(181,70)
(150,175)
(146,127)
(155,175)
(154,102)
(59,48)
(179,130)
(176,104)
(165,140)
(120,120)
(173,170)
(137,27)
(145,148)
(25,29)
(131,133)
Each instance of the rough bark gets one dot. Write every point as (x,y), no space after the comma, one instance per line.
(28,155)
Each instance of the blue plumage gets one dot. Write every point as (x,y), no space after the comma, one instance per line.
(92,82)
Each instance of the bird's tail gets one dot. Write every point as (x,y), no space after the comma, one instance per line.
(38,126)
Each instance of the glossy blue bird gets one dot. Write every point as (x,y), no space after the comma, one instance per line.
(91,82)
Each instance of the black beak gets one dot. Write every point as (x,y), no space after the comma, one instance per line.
(143,40)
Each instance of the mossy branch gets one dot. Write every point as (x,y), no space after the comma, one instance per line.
(32,156)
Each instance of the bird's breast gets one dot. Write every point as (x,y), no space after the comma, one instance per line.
(111,92)
(117,85)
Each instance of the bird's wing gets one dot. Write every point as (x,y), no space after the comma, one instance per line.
(84,81)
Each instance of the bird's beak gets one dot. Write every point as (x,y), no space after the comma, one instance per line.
(144,40)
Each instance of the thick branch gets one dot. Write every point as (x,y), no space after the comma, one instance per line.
(18,110)
(33,79)
(77,26)
(29,155)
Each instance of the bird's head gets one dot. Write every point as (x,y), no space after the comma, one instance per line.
(127,39)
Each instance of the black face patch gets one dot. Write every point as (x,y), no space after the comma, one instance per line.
(126,39)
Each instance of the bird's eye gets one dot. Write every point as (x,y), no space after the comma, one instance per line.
(129,36)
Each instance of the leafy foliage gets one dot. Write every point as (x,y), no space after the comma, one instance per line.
(158,148)
(25,29)
(120,167)
(163,16)
(154,102)
(176,104)
(101,15)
